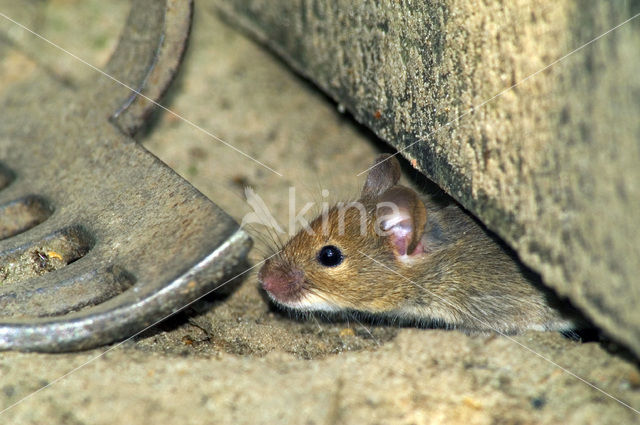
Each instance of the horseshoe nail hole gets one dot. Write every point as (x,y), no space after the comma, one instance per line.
(53,253)
(65,296)
(100,288)
(6,176)
(22,214)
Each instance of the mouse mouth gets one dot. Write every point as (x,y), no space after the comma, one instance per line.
(287,287)
(305,302)
(282,284)
(296,297)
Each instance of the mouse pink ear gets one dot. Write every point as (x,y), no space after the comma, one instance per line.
(384,174)
(402,216)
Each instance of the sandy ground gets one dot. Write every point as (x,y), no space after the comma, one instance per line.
(234,359)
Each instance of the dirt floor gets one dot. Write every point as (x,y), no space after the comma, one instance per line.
(233,358)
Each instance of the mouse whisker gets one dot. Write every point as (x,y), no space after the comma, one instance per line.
(367,330)
(316,320)
(266,240)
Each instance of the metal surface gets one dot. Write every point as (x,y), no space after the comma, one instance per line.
(99,238)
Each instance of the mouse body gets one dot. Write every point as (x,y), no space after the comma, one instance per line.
(398,254)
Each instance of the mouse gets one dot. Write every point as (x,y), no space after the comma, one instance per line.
(398,254)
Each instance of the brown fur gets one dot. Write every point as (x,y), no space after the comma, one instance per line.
(459,276)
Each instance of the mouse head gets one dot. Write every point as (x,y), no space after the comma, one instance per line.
(353,256)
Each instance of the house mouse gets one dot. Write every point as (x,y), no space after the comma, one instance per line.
(401,255)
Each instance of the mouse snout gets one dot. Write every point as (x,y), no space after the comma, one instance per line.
(283,284)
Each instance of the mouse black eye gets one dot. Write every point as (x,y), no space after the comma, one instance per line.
(330,256)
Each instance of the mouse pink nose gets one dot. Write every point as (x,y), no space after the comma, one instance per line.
(284,285)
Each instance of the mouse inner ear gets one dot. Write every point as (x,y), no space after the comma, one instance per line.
(384,174)
(402,216)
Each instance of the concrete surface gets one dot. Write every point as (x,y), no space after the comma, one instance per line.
(232,360)
(550,165)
